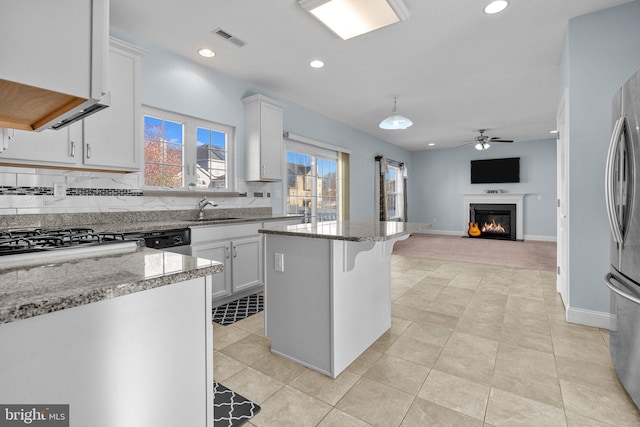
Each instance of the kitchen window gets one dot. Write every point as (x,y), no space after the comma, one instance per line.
(183,152)
(312,187)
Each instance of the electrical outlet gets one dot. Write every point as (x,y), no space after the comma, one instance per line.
(59,189)
(278,262)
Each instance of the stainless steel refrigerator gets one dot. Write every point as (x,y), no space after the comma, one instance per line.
(622,188)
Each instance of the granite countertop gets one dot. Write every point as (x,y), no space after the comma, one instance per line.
(39,288)
(356,231)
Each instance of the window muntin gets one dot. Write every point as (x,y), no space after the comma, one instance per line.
(211,159)
(163,153)
(182,152)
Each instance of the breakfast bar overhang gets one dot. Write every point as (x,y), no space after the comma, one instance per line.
(328,289)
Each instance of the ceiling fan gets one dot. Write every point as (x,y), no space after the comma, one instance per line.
(482,141)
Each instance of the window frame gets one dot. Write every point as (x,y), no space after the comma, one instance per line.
(314,152)
(190,145)
(398,194)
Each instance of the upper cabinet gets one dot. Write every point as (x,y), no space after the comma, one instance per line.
(113,138)
(54,58)
(263,139)
(109,141)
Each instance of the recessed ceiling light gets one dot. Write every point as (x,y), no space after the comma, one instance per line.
(316,63)
(553,131)
(431,144)
(496,6)
(207,53)
(351,18)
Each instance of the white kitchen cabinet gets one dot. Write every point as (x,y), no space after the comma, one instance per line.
(53,59)
(240,248)
(113,138)
(264,147)
(110,140)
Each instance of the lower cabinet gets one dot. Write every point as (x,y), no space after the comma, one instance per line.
(240,248)
(242,260)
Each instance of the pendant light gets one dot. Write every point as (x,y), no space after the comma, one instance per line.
(482,146)
(395,120)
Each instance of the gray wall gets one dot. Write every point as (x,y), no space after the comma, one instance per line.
(174,83)
(439,179)
(601,52)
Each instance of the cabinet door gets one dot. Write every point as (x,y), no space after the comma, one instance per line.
(221,252)
(49,147)
(112,138)
(247,263)
(271,141)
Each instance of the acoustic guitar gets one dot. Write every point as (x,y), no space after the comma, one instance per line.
(474,231)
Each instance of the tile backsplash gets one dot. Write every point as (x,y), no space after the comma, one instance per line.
(31,191)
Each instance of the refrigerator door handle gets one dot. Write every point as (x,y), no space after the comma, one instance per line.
(609,279)
(616,232)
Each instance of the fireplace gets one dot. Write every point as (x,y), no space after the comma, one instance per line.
(495,221)
(495,199)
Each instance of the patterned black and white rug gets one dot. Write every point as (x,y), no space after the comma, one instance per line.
(239,309)
(231,409)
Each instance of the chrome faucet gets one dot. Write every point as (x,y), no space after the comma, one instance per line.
(203,204)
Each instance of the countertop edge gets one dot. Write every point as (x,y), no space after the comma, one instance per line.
(41,306)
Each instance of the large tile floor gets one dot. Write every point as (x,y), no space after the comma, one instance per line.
(470,345)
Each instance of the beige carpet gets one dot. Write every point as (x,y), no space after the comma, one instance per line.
(528,254)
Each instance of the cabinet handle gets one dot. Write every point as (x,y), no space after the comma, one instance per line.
(72,152)
(235,251)
(264,170)
(88,151)
(226,252)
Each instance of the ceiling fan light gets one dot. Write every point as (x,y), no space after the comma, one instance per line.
(479,146)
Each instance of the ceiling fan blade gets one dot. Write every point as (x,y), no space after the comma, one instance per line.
(496,139)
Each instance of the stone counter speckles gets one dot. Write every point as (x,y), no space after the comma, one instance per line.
(357,231)
(39,289)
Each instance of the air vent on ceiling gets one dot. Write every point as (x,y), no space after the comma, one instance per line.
(229,37)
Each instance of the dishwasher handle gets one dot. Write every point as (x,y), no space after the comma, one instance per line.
(609,280)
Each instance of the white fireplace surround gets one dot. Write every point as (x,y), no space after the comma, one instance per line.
(497,199)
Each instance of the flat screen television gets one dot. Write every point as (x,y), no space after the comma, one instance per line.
(492,171)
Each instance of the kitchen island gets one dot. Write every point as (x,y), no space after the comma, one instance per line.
(124,337)
(328,289)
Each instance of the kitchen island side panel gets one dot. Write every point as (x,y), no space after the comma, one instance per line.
(361,297)
(297,300)
(136,360)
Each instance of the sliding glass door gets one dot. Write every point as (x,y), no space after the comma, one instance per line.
(312,183)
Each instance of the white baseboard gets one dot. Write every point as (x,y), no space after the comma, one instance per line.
(444,232)
(541,238)
(597,319)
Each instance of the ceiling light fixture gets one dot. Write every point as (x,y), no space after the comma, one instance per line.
(395,120)
(496,6)
(351,18)
(431,144)
(316,63)
(207,53)
(482,146)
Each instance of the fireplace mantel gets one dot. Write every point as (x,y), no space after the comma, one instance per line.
(496,198)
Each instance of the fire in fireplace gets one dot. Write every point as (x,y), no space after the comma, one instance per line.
(495,221)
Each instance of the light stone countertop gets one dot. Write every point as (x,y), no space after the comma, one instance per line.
(40,288)
(356,231)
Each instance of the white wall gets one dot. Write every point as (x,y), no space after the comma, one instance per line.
(439,178)
(601,52)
